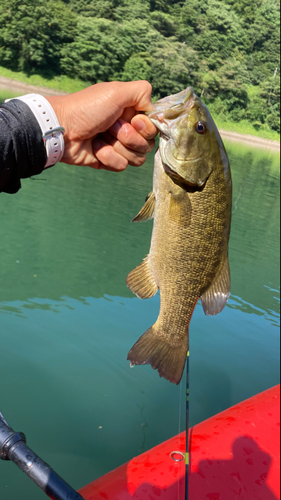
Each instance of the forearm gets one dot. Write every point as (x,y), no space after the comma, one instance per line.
(22,150)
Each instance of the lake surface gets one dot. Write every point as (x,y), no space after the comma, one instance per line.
(67,319)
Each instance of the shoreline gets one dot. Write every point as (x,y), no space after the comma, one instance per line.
(8,83)
(250,140)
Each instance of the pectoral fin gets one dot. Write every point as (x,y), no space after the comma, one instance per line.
(215,298)
(141,280)
(147,211)
(180,209)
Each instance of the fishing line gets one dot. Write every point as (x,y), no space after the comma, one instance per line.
(180,407)
(187,457)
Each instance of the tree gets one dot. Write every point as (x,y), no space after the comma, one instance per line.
(174,67)
(102,47)
(138,67)
(33,34)
(225,90)
(229,49)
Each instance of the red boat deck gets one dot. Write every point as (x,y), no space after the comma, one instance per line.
(235,455)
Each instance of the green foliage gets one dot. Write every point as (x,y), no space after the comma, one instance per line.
(137,67)
(164,23)
(174,67)
(225,89)
(90,55)
(98,8)
(227,49)
(102,47)
(32,34)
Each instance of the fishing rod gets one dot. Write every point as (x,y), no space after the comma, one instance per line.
(13,447)
(187,457)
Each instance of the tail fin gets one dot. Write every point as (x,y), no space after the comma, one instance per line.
(153,349)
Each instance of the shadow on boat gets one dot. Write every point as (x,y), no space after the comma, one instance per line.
(243,477)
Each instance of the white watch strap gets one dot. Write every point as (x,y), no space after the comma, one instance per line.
(52,132)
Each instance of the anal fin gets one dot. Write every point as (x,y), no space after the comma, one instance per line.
(141,280)
(216,296)
(147,211)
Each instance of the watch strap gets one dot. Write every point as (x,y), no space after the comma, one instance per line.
(52,132)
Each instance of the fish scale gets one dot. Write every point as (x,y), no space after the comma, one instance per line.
(191,207)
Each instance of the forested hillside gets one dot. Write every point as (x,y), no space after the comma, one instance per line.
(228,50)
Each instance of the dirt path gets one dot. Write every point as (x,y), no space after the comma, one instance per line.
(16,86)
(251,140)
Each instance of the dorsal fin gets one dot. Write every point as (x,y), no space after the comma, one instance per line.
(141,280)
(215,298)
(147,211)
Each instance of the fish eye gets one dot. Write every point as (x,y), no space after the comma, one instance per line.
(201,128)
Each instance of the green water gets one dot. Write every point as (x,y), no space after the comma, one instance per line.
(67,319)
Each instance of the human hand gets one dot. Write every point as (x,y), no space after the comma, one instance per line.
(102,126)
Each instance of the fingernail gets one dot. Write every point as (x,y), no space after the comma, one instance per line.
(139,125)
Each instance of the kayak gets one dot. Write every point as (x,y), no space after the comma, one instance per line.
(234,455)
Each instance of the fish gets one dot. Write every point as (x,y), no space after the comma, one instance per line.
(191,206)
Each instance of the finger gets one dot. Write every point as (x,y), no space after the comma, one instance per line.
(134,158)
(144,126)
(136,94)
(108,157)
(130,138)
(82,155)
(128,114)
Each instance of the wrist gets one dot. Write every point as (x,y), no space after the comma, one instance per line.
(55,102)
(52,130)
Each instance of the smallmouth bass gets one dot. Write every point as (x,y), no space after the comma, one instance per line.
(191,207)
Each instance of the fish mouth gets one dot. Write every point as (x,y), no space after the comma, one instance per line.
(172,107)
(174,100)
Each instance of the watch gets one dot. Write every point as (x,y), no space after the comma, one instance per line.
(52,132)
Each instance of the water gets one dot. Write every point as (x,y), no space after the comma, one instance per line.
(67,319)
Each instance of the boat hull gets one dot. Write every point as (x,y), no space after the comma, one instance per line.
(235,455)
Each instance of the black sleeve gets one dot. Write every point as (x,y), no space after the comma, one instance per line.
(22,150)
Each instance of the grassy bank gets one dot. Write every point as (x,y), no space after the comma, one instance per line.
(62,83)
(66,84)
(245,127)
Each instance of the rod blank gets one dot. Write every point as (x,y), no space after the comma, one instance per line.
(13,447)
